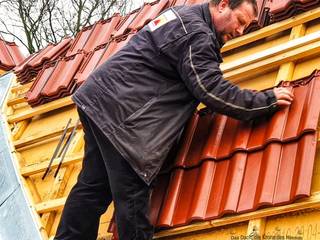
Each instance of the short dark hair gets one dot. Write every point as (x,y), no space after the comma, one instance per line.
(235,3)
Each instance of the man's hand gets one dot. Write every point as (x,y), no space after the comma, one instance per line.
(283,95)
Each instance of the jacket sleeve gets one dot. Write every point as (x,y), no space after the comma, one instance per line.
(199,69)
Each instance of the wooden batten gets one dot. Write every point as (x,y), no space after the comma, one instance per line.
(41,109)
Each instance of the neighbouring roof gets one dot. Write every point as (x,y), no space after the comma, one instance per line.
(225,166)
(10,55)
(98,42)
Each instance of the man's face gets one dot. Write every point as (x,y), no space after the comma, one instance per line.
(230,23)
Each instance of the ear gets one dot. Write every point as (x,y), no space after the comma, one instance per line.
(223,4)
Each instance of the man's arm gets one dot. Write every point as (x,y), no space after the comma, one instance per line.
(199,69)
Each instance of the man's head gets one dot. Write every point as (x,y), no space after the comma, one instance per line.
(231,17)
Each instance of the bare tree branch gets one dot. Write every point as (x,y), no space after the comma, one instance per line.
(40,22)
(50,10)
(91,12)
(8,32)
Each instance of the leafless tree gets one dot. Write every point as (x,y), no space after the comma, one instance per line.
(35,23)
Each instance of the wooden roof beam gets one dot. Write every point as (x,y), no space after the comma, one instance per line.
(41,167)
(66,101)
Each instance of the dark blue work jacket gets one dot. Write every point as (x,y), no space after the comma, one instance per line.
(143,95)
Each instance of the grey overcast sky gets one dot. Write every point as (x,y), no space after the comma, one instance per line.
(3,15)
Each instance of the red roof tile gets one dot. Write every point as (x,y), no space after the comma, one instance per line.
(29,68)
(92,36)
(138,18)
(52,82)
(227,167)
(148,12)
(122,28)
(10,55)
(262,18)
(280,10)
(271,11)
(55,80)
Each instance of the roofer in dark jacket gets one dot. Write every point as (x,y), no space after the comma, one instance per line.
(134,106)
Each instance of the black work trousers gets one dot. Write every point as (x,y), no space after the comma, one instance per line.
(105,176)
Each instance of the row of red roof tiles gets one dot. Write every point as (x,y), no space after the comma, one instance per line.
(10,55)
(94,44)
(55,80)
(60,78)
(227,167)
(30,67)
(271,11)
(106,37)
(280,10)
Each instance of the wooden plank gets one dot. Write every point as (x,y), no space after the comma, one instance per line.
(41,137)
(271,52)
(303,204)
(2,72)
(272,29)
(36,144)
(298,31)
(51,205)
(49,218)
(41,167)
(285,72)
(19,128)
(256,228)
(35,139)
(271,63)
(287,69)
(33,191)
(19,87)
(16,100)
(41,109)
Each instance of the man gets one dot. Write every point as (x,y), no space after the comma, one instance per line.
(134,106)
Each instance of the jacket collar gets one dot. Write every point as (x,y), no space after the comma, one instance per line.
(208,20)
